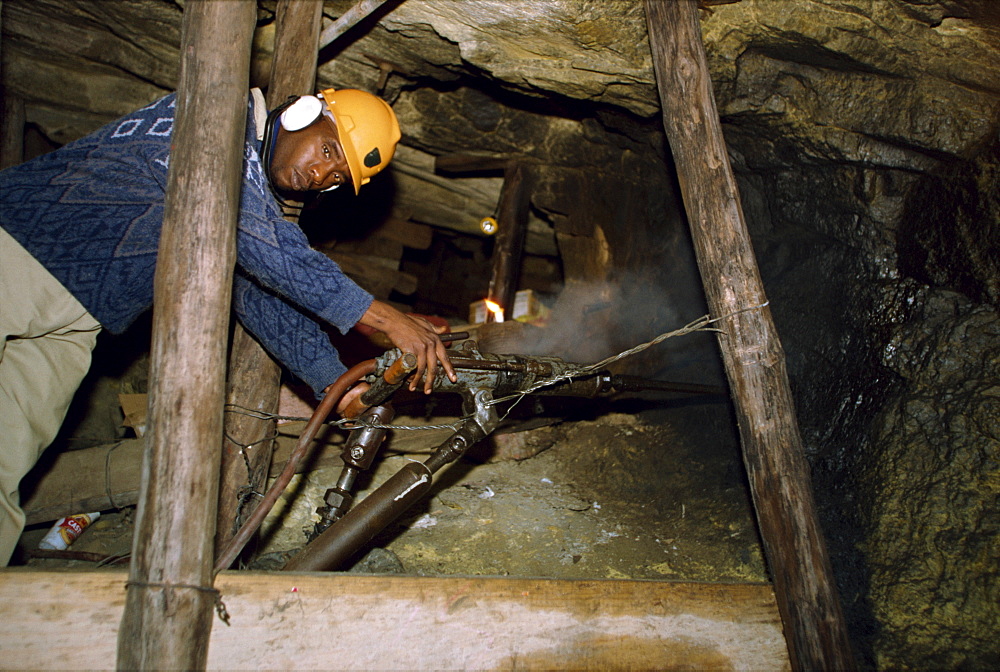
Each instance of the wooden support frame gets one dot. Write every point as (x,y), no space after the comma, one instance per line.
(343,621)
(512,225)
(11,128)
(446,606)
(751,351)
(254,378)
(169,600)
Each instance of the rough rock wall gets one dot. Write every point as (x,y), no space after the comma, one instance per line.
(934,483)
(79,65)
(865,135)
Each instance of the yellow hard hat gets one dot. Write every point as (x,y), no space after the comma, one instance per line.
(367,128)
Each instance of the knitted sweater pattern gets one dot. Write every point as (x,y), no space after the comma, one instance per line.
(91,213)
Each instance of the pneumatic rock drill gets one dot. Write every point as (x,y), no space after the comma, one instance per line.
(483,380)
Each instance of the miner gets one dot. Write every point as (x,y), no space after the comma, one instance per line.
(79,230)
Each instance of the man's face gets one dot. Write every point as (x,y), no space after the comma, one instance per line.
(310,159)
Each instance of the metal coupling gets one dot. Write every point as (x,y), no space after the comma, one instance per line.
(338,501)
(363,442)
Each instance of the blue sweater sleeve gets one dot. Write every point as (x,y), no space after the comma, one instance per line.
(92,211)
(277,255)
(309,355)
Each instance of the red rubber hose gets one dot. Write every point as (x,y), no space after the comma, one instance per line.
(333,395)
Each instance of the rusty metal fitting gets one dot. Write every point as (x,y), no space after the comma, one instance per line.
(338,501)
(396,367)
(363,442)
(336,498)
(400,369)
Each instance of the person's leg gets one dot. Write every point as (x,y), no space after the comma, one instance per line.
(46,339)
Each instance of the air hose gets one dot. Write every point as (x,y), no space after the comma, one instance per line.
(334,393)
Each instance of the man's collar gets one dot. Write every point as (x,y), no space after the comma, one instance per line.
(259,111)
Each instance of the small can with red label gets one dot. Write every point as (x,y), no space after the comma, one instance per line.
(66,530)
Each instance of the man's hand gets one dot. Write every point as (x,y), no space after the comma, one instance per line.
(414,334)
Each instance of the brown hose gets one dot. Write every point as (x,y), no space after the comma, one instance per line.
(319,416)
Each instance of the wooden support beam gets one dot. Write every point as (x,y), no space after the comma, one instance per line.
(11,128)
(286,621)
(752,354)
(348,20)
(254,378)
(512,217)
(112,472)
(11,116)
(512,223)
(470,162)
(169,600)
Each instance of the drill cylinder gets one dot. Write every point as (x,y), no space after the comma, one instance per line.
(360,524)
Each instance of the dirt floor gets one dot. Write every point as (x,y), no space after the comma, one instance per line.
(635,488)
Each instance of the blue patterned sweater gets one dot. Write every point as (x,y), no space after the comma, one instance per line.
(91,213)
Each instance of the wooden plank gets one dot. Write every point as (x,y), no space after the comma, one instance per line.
(752,353)
(163,626)
(327,621)
(411,234)
(471,162)
(254,378)
(111,475)
(348,20)
(11,128)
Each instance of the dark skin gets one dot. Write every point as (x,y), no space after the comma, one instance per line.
(312,159)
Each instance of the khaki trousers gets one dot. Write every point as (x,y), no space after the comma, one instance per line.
(46,339)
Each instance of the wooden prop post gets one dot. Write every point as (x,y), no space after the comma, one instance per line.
(512,222)
(752,354)
(254,378)
(11,117)
(348,20)
(512,217)
(11,129)
(168,608)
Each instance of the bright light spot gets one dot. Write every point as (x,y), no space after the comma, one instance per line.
(495,308)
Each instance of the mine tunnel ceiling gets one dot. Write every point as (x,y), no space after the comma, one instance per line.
(493,77)
(567,86)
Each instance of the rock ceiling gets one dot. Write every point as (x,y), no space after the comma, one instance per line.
(522,77)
